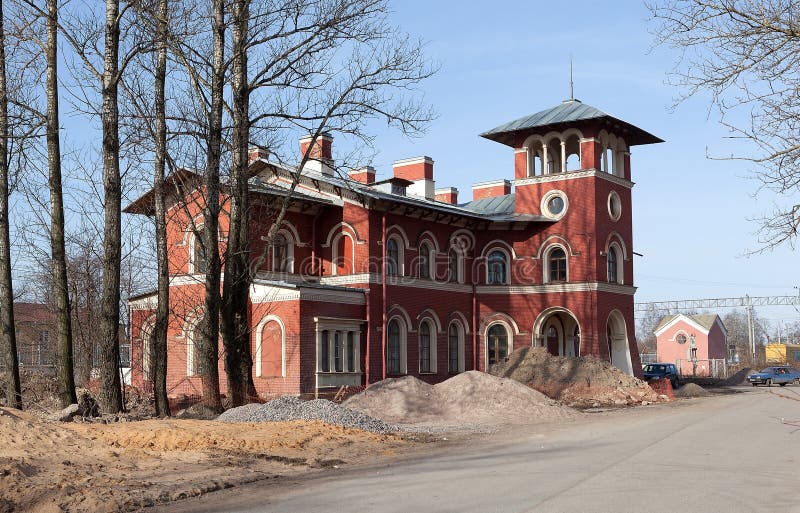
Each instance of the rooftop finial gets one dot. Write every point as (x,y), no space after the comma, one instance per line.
(571,83)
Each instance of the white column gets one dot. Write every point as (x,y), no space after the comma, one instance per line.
(357,350)
(545,166)
(563,157)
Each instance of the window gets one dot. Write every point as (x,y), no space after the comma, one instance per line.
(452,266)
(557,265)
(392,258)
(198,256)
(614,206)
(351,352)
(393,348)
(324,352)
(424,261)
(43,348)
(192,354)
(281,254)
(337,352)
(425,347)
(125,355)
(455,346)
(576,341)
(496,268)
(497,345)
(611,261)
(681,338)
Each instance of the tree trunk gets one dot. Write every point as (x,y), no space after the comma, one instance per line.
(8,338)
(110,391)
(159,338)
(236,287)
(65,366)
(207,350)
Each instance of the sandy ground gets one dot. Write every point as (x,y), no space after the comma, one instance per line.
(50,467)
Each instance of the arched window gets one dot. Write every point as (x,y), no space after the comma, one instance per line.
(557,265)
(392,258)
(281,254)
(611,261)
(198,255)
(342,255)
(425,260)
(497,344)
(455,348)
(393,348)
(452,266)
(192,353)
(496,268)
(425,347)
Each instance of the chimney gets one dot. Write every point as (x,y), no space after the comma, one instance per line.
(364,174)
(320,154)
(447,195)
(420,171)
(491,189)
(257,152)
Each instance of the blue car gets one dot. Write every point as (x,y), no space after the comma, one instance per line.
(780,375)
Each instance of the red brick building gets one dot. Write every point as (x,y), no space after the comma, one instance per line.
(370,279)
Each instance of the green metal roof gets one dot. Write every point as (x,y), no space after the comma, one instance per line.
(566,113)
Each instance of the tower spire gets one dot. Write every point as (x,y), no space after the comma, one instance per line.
(571,83)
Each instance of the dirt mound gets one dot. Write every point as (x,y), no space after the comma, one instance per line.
(470,397)
(583,381)
(691,390)
(740,378)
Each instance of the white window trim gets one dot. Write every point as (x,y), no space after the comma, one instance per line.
(613,195)
(259,350)
(546,199)
(620,268)
(290,244)
(546,267)
(335,252)
(401,256)
(341,326)
(507,257)
(433,332)
(509,334)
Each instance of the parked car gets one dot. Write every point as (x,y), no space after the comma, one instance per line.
(661,371)
(780,375)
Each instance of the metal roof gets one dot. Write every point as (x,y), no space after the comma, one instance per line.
(568,112)
(496,205)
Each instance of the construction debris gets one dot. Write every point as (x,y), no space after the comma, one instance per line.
(691,390)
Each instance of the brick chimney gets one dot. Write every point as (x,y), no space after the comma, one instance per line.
(420,171)
(447,195)
(320,154)
(491,189)
(256,152)
(364,174)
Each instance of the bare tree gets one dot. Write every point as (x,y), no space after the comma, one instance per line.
(159,337)
(746,55)
(66,378)
(8,342)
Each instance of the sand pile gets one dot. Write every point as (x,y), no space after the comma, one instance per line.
(470,397)
(691,390)
(584,381)
(740,378)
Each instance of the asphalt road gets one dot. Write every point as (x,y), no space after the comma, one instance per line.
(732,453)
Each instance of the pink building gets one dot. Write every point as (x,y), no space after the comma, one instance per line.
(696,344)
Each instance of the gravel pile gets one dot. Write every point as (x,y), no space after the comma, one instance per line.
(691,390)
(288,408)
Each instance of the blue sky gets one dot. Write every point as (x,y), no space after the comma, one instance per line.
(506,59)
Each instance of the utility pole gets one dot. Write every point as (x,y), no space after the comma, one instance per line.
(751,332)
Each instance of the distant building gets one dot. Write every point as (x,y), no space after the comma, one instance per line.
(35,326)
(783,354)
(696,344)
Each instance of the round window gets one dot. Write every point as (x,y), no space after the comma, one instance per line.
(556,205)
(681,339)
(614,206)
